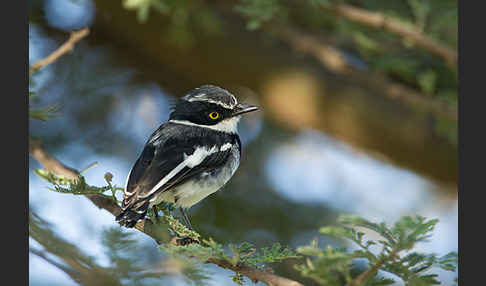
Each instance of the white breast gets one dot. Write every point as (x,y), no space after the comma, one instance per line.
(190,193)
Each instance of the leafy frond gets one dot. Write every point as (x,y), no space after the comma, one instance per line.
(45,113)
(326,266)
(258,11)
(79,186)
(331,266)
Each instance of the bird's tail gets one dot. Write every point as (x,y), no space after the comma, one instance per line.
(132,214)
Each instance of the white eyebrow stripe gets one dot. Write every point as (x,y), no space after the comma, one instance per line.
(227,125)
(190,161)
(196,98)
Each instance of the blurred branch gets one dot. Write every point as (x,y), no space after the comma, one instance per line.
(50,163)
(334,60)
(68,46)
(380,21)
(65,269)
(78,266)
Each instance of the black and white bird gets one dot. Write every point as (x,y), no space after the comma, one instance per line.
(189,157)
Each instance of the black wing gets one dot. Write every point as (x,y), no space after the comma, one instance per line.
(162,165)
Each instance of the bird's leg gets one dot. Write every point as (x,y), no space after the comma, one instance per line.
(186,219)
(156,213)
(186,240)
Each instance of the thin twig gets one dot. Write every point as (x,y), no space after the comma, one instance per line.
(89,166)
(380,21)
(64,48)
(37,151)
(366,275)
(51,164)
(65,269)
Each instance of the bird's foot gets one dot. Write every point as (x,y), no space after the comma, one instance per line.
(186,241)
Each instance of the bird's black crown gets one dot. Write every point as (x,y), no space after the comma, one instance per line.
(212,94)
(208,105)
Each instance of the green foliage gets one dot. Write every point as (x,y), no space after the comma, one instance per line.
(318,3)
(384,52)
(188,256)
(427,81)
(258,11)
(179,229)
(236,255)
(186,18)
(210,249)
(69,258)
(392,252)
(79,186)
(41,231)
(331,266)
(120,247)
(367,45)
(127,265)
(143,7)
(44,113)
(276,253)
(420,10)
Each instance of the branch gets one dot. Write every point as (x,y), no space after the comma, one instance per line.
(64,48)
(379,21)
(365,276)
(255,275)
(78,266)
(66,270)
(50,163)
(334,60)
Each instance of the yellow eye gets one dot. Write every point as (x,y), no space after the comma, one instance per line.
(213,115)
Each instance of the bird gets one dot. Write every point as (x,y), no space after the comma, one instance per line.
(192,155)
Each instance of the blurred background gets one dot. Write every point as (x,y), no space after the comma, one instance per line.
(357,119)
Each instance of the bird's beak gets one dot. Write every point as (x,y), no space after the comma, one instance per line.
(244,108)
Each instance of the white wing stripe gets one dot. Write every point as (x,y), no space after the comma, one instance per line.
(225,147)
(190,161)
(126,184)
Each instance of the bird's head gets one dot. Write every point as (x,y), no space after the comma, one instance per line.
(212,107)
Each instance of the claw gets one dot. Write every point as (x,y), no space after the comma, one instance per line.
(186,241)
